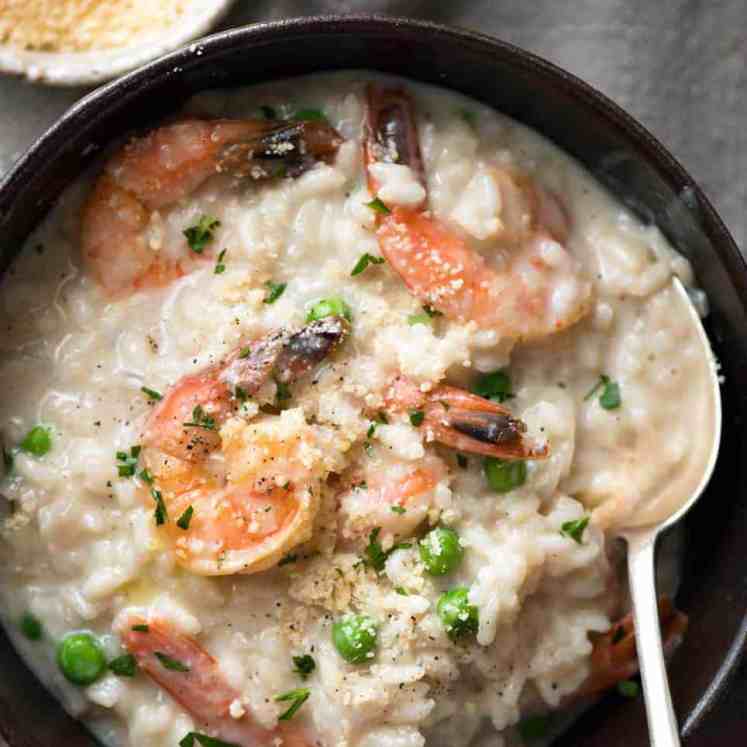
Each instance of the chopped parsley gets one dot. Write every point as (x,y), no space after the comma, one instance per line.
(146,476)
(168,663)
(8,459)
(296,698)
(204,740)
(534,727)
(127,463)
(575,529)
(618,635)
(417,417)
(462,461)
(220,266)
(200,419)
(274,291)
(289,558)
(245,352)
(431,312)
(364,261)
(268,112)
(401,591)
(31,627)
(282,393)
(376,556)
(628,688)
(304,665)
(378,206)
(309,115)
(413,319)
(201,234)
(161,514)
(495,386)
(610,398)
(398,510)
(123,666)
(183,521)
(38,441)
(469,117)
(151,393)
(141,628)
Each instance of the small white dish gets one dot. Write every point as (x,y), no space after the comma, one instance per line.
(96,66)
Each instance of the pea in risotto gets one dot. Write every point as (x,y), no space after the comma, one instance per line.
(323,402)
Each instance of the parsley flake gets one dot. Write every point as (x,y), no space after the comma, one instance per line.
(141,628)
(123,666)
(168,663)
(274,291)
(417,417)
(309,115)
(204,740)
(304,665)
(364,261)
(127,463)
(378,206)
(161,514)
(575,529)
(200,419)
(183,521)
(398,510)
(151,393)
(201,234)
(296,698)
(610,398)
(220,266)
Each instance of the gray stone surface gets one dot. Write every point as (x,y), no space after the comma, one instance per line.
(676,65)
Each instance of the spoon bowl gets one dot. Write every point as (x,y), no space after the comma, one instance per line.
(644,527)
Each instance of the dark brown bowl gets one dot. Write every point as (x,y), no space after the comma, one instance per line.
(613,146)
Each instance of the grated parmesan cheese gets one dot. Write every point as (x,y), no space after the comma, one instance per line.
(84,25)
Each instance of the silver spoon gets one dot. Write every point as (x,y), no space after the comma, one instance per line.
(642,531)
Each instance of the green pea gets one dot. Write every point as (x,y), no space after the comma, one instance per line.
(354,637)
(441,551)
(334,306)
(503,476)
(38,441)
(459,617)
(81,658)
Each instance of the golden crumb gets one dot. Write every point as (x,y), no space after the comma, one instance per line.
(84,25)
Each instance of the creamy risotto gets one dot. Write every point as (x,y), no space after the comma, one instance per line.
(322,404)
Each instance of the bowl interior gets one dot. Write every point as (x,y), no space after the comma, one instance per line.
(613,147)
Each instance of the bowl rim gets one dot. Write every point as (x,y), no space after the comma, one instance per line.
(651,150)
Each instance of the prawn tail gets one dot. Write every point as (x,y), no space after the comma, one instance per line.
(391,134)
(470,423)
(613,656)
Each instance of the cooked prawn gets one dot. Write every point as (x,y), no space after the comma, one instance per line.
(465,421)
(613,656)
(157,170)
(198,685)
(394,497)
(247,492)
(537,290)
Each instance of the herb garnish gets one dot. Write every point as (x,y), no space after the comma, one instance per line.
(378,206)
(204,740)
(401,591)
(168,663)
(128,462)
(365,260)
(308,115)
(141,628)
(146,476)
(610,398)
(376,556)
(495,386)
(628,688)
(201,234)
(575,529)
(123,666)
(296,697)
(161,514)
(462,461)
(151,393)
(417,417)
(31,627)
(534,727)
(183,521)
(289,558)
(200,419)
(304,665)
(274,291)
(220,267)
(398,510)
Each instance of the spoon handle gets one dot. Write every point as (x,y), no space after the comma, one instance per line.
(662,723)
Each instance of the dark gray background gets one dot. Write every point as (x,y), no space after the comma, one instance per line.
(676,65)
